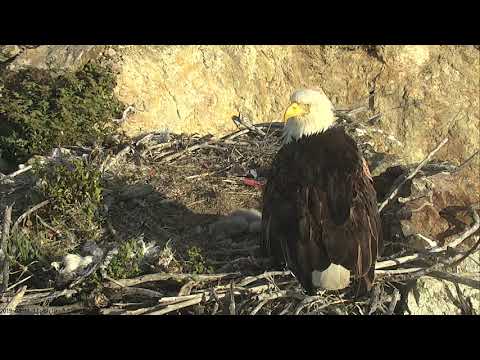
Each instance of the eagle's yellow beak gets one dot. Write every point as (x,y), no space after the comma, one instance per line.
(294,109)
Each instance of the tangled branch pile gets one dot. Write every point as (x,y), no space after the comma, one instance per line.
(227,275)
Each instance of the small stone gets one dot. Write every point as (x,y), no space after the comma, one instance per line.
(9,51)
(111,52)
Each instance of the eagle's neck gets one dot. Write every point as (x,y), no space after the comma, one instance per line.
(298,128)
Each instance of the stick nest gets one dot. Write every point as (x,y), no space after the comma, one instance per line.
(168,191)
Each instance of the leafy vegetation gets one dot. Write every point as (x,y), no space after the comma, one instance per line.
(196,263)
(127,263)
(40,110)
(71,183)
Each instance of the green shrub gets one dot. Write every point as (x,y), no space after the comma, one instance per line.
(73,187)
(71,183)
(127,263)
(196,263)
(40,110)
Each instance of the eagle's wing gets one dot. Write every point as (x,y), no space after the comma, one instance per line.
(345,212)
(311,220)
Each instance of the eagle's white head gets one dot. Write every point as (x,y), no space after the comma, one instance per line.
(310,112)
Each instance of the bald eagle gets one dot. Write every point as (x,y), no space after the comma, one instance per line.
(320,214)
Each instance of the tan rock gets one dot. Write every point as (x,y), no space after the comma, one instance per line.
(439,297)
(417,89)
(440,206)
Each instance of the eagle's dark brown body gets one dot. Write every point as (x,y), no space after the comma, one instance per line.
(320,208)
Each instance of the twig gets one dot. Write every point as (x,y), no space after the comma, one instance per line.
(186,289)
(399,271)
(435,249)
(374,117)
(135,291)
(286,309)
(240,120)
(207,173)
(469,252)
(395,191)
(393,303)
(273,125)
(309,300)
(464,164)
(175,277)
(266,298)
(168,300)
(18,283)
(20,171)
(125,113)
(455,279)
(375,299)
(236,134)
(231,305)
(207,144)
(110,162)
(398,261)
(7,220)
(250,279)
(37,298)
(58,233)
(28,212)
(156,147)
(178,306)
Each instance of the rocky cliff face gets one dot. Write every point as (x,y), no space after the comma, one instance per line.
(418,90)
(423,93)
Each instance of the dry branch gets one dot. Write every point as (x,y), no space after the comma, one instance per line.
(395,191)
(140,292)
(435,249)
(178,306)
(176,155)
(174,277)
(44,296)
(109,162)
(241,120)
(28,212)
(18,172)
(7,220)
(457,279)
(125,114)
(465,163)
(393,303)
(19,282)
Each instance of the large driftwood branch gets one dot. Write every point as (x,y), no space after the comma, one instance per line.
(173,277)
(43,296)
